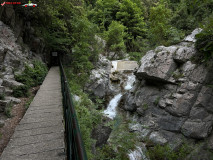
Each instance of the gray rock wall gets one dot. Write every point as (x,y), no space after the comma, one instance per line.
(173,94)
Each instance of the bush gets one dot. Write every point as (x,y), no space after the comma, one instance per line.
(120,143)
(2,97)
(21,91)
(30,77)
(159,152)
(204,43)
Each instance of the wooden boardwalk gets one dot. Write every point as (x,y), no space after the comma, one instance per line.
(40,134)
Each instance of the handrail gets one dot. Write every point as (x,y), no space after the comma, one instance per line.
(74,144)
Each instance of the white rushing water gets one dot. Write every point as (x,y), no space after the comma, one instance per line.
(130,82)
(111,109)
(137,154)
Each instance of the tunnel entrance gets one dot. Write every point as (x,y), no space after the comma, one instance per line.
(54,59)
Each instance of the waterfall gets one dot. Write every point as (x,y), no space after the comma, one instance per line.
(130,82)
(111,109)
(137,154)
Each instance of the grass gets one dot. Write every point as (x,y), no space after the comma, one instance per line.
(27,104)
(8,110)
(157,101)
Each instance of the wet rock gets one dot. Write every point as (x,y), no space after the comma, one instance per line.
(139,153)
(157,138)
(129,103)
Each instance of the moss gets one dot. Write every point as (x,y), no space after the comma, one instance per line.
(145,107)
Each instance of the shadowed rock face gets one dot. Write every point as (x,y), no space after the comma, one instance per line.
(173,94)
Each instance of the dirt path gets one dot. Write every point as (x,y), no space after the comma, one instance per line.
(18,112)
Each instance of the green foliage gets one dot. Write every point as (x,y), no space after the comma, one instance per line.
(131,16)
(27,104)
(8,110)
(204,43)
(0,135)
(2,96)
(30,77)
(21,91)
(104,13)
(121,141)
(157,101)
(159,152)
(136,56)
(88,116)
(115,38)
(145,106)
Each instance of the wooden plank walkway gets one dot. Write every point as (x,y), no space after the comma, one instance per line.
(40,134)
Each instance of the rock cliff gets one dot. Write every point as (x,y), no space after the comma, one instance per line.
(173,96)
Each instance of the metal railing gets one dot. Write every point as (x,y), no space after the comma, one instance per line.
(74,144)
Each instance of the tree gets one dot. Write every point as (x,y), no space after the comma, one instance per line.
(131,16)
(204,43)
(115,38)
(104,13)
(159,22)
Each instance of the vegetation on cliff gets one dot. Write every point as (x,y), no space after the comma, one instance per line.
(131,26)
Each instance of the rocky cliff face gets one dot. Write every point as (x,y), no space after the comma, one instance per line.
(171,101)
(173,96)
(13,58)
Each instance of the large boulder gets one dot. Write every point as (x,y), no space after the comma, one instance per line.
(101,133)
(205,99)
(184,54)
(99,78)
(4,104)
(157,65)
(11,83)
